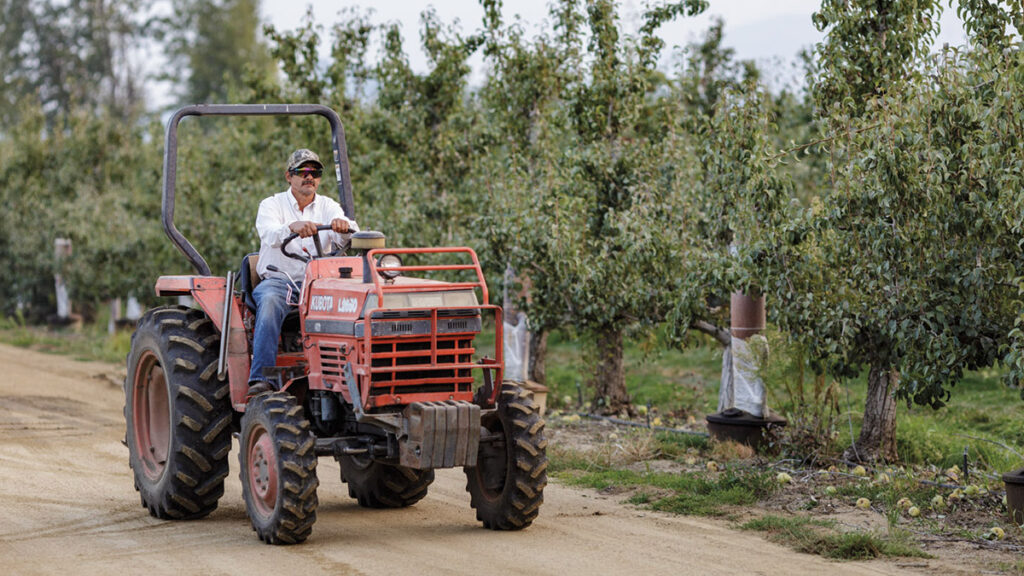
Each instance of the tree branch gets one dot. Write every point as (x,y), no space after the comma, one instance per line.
(720,334)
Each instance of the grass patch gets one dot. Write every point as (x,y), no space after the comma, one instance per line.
(666,378)
(694,494)
(821,537)
(88,342)
(711,502)
(676,445)
(1011,567)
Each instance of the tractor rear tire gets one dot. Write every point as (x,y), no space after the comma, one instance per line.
(278,469)
(178,414)
(506,486)
(377,485)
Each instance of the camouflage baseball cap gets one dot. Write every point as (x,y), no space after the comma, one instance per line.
(302,156)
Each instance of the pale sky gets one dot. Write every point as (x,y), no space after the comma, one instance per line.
(769,32)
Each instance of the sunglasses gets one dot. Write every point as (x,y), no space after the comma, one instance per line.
(313,172)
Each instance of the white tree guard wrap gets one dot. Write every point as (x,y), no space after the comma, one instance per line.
(742,386)
(516,344)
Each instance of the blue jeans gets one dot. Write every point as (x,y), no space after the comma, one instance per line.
(271,296)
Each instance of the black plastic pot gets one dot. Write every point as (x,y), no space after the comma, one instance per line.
(1015,495)
(740,426)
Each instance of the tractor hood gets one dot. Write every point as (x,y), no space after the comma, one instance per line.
(336,305)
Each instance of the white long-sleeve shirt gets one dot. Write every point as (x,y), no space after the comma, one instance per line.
(276,213)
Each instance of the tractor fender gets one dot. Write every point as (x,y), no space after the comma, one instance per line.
(208,292)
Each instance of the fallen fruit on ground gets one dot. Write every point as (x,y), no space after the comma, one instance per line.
(914,511)
(863,503)
(783,478)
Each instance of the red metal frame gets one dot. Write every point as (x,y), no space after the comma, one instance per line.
(365,371)
(389,392)
(371,258)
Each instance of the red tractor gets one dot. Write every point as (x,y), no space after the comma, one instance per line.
(377,368)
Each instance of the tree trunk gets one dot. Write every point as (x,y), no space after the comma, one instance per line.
(538,371)
(878,430)
(609,378)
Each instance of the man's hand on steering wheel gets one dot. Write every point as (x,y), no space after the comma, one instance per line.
(339,225)
(303,228)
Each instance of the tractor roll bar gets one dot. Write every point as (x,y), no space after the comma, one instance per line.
(338,146)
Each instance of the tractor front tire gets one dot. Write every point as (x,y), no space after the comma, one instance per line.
(506,486)
(178,414)
(377,485)
(278,469)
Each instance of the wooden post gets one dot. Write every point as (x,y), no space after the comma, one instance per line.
(115,315)
(61,251)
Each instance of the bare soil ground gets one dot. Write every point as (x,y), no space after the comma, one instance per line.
(67,506)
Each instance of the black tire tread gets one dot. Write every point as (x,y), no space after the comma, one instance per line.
(518,504)
(193,479)
(295,512)
(380,485)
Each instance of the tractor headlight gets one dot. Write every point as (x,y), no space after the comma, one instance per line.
(385,266)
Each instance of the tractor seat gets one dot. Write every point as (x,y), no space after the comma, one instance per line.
(248,279)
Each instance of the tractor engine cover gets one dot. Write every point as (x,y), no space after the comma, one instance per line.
(439,435)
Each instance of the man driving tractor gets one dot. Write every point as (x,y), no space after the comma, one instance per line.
(297,210)
(378,366)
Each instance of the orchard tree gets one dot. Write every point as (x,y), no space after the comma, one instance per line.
(26,258)
(902,265)
(595,233)
(428,127)
(213,45)
(412,145)
(998,56)
(65,54)
(869,53)
(521,139)
(734,197)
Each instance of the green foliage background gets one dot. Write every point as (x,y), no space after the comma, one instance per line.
(880,212)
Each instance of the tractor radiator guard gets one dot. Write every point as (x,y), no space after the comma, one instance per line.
(439,435)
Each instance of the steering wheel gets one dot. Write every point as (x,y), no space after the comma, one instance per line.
(316,241)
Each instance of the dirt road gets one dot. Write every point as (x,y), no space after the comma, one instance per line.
(67,506)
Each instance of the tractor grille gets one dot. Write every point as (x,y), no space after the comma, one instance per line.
(331,362)
(417,352)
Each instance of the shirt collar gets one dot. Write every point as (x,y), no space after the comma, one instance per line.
(295,203)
